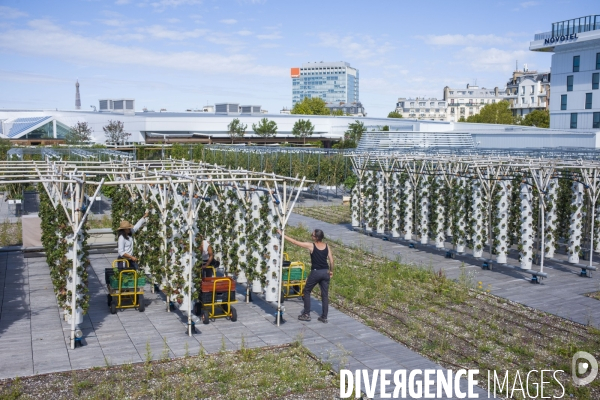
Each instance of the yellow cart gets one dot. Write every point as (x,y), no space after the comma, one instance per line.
(294,279)
(216,297)
(126,290)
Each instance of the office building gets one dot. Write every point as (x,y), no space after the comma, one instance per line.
(575,96)
(333,82)
(353,109)
(527,91)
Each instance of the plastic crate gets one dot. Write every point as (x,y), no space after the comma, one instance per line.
(206,297)
(294,272)
(222,286)
(127,282)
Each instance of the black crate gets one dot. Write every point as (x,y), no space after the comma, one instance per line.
(206,297)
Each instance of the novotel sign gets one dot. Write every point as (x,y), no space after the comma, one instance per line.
(561,38)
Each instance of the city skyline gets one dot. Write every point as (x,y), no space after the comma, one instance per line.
(181,54)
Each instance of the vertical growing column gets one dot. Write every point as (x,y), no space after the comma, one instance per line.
(440,236)
(273,253)
(408,198)
(74,243)
(459,204)
(380,202)
(255,255)
(551,218)
(396,203)
(575,222)
(424,211)
(526,244)
(478,220)
(501,231)
(369,201)
(355,204)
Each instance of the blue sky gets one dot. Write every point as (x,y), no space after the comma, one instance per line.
(180,54)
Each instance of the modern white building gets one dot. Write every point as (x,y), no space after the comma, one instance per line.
(575,97)
(333,82)
(527,91)
(465,102)
(421,108)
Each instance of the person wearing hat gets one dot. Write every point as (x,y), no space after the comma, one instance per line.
(125,241)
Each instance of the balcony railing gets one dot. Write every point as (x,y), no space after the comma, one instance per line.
(571,26)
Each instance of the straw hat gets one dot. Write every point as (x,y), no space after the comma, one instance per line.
(125,225)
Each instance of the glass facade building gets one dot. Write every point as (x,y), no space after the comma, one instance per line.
(334,82)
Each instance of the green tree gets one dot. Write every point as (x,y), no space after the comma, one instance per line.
(5,146)
(79,133)
(303,128)
(236,129)
(115,133)
(462,119)
(338,113)
(539,118)
(265,128)
(354,133)
(314,106)
(495,113)
(394,114)
(385,128)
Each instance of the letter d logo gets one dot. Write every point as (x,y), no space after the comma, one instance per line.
(580,368)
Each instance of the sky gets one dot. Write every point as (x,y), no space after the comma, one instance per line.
(184,54)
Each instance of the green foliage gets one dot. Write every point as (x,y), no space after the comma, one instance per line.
(538,118)
(79,133)
(385,128)
(5,146)
(265,128)
(115,132)
(394,114)
(314,106)
(236,129)
(303,128)
(462,119)
(355,131)
(495,113)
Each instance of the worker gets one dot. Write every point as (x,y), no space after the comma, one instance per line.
(125,242)
(208,259)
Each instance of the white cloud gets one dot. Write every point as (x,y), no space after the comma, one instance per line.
(270,36)
(11,13)
(161,5)
(365,48)
(491,59)
(173,20)
(44,39)
(244,33)
(464,40)
(122,2)
(79,23)
(228,21)
(160,32)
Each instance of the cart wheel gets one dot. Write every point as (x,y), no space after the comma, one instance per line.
(109,298)
(113,307)
(204,317)
(141,304)
(197,309)
(233,314)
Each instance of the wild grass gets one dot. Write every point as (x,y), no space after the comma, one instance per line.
(456,323)
(104,221)
(11,234)
(274,372)
(332,214)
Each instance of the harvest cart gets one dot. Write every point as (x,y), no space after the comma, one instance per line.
(215,299)
(294,279)
(125,287)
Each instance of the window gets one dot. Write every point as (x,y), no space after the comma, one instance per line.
(573,120)
(532,89)
(576,64)
(522,100)
(563,102)
(522,89)
(597,60)
(532,101)
(596,123)
(595,80)
(588,101)
(569,83)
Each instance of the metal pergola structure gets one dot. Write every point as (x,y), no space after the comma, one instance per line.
(490,172)
(175,185)
(67,153)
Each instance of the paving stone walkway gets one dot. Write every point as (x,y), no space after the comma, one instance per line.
(35,338)
(562,293)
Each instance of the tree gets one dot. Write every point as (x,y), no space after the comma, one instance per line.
(265,128)
(354,132)
(462,119)
(236,129)
(385,128)
(394,114)
(314,106)
(79,133)
(495,113)
(337,113)
(539,118)
(115,133)
(5,146)
(303,128)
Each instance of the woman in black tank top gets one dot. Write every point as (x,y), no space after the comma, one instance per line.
(321,272)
